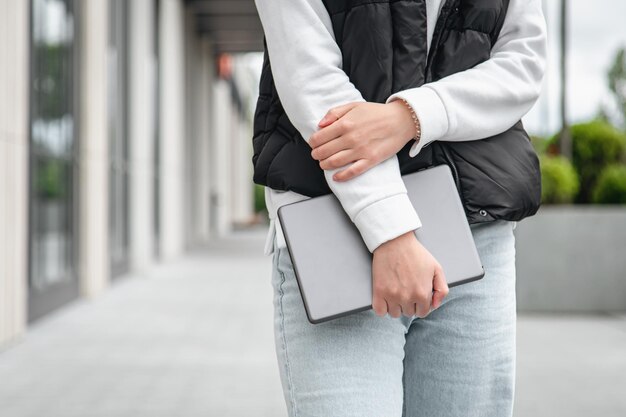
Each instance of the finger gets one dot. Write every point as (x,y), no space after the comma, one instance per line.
(395,310)
(339,160)
(325,135)
(379,305)
(330,148)
(438,297)
(440,288)
(354,170)
(409,309)
(422,309)
(336,113)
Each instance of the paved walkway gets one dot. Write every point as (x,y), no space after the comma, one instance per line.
(195,338)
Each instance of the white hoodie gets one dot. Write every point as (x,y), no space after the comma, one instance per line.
(473,104)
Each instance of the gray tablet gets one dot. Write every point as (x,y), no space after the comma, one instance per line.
(334,267)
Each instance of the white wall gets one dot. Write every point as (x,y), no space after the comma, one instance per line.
(203,124)
(142,79)
(571,259)
(94,264)
(14,35)
(245,76)
(200,62)
(241,171)
(172,126)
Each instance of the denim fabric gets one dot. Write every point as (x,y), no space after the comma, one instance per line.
(458,361)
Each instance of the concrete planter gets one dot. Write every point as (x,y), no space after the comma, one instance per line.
(572,259)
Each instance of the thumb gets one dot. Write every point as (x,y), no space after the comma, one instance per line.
(337,113)
(440,288)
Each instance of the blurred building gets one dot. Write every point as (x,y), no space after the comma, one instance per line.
(124,141)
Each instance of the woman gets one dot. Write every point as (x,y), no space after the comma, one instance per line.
(351,84)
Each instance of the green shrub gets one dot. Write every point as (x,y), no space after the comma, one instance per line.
(259,198)
(596,144)
(559,181)
(611,185)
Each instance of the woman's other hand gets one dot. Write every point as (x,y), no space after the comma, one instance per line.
(406,278)
(363,134)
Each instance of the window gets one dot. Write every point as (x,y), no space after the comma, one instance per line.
(53,156)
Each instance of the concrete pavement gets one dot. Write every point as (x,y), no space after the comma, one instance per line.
(195,338)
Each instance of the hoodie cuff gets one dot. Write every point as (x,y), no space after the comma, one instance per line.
(386,219)
(429,110)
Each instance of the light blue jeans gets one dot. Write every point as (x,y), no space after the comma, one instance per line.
(458,361)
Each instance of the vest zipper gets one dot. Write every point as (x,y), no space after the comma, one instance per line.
(441,21)
(447,7)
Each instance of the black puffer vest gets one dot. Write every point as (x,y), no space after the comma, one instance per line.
(497,177)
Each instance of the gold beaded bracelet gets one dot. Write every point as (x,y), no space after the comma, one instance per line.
(418,127)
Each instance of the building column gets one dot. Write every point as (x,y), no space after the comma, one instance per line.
(243,187)
(94,187)
(14,44)
(207,65)
(241,181)
(222,109)
(142,79)
(197,193)
(192,96)
(171,127)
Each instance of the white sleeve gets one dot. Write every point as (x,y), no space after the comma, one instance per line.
(306,64)
(489,98)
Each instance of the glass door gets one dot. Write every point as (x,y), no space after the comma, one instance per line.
(118,98)
(53,156)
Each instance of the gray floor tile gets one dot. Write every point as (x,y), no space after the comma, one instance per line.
(195,338)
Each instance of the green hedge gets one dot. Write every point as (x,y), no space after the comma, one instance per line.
(559,181)
(595,145)
(611,185)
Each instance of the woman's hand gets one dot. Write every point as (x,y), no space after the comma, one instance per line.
(361,133)
(406,278)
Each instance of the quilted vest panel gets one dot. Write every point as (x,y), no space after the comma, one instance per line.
(383,44)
